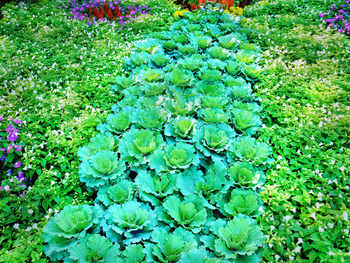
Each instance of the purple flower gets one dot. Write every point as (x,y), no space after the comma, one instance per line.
(18,148)
(17,164)
(9,148)
(19,122)
(341,11)
(9,172)
(3,158)
(1,188)
(321,15)
(1,118)
(12,137)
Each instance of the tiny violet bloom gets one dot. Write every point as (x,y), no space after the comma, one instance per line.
(1,118)
(12,137)
(7,188)
(17,164)
(3,158)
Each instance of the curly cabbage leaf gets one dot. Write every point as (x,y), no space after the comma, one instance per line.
(253,71)
(228,42)
(246,175)
(188,49)
(134,254)
(154,187)
(246,121)
(136,145)
(160,59)
(181,105)
(170,246)
(170,45)
(181,77)
(66,227)
(214,30)
(212,139)
(232,82)
(119,122)
(203,42)
(210,75)
(245,202)
(149,45)
(137,59)
(122,83)
(243,93)
(211,89)
(101,142)
(189,213)
(151,118)
(132,221)
(174,157)
(250,150)
(118,193)
(153,89)
(233,67)
(246,56)
(214,102)
(219,53)
(95,248)
(181,128)
(152,75)
(101,169)
(180,38)
(216,64)
(239,239)
(192,63)
(214,115)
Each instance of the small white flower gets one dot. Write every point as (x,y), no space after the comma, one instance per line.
(318,205)
(346,231)
(342,168)
(47,216)
(345,216)
(16,226)
(28,228)
(330,225)
(272,228)
(300,240)
(277,257)
(287,218)
(30,211)
(7,188)
(330,253)
(297,249)
(49,211)
(313,215)
(320,229)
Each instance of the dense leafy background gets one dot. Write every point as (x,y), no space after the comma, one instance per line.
(305,96)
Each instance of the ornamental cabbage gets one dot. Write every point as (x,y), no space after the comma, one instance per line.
(136,145)
(118,123)
(188,49)
(238,239)
(101,142)
(214,63)
(246,56)
(192,63)
(246,121)
(181,128)
(250,150)
(160,59)
(153,89)
(137,59)
(233,67)
(149,45)
(168,246)
(133,254)
(211,89)
(189,213)
(181,105)
(118,193)
(214,115)
(66,227)
(101,169)
(228,42)
(203,41)
(243,93)
(95,248)
(245,202)
(123,83)
(214,102)
(174,157)
(210,75)
(152,75)
(131,221)
(246,175)
(151,118)
(154,187)
(253,71)
(219,53)
(181,77)
(169,45)
(214,138)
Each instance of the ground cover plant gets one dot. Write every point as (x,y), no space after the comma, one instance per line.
(55,76)
(305,96)
(177,167)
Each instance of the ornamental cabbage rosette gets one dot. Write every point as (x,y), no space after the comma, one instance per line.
(246,121)
(101,142)
(214,115)
(118,193)
(94,248)
(66,227)
(103,168)
(136,145)
(219,53)
(212,140)
(151,118)
(181,77)
(119,122)
(130,222)
(182,128)
(211,89)
(155,187)
(246,175)
(174,157)
(239,201)
(168,246)
(250,150)
(238,239)
(189,213)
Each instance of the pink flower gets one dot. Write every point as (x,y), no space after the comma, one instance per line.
(12,137)
(17,164)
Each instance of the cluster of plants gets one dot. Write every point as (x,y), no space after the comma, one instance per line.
(12,180)
(338,17)
(177,168)
(305,99)
(106,10)
(55,76)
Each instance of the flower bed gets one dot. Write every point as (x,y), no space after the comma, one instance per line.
(177,168)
